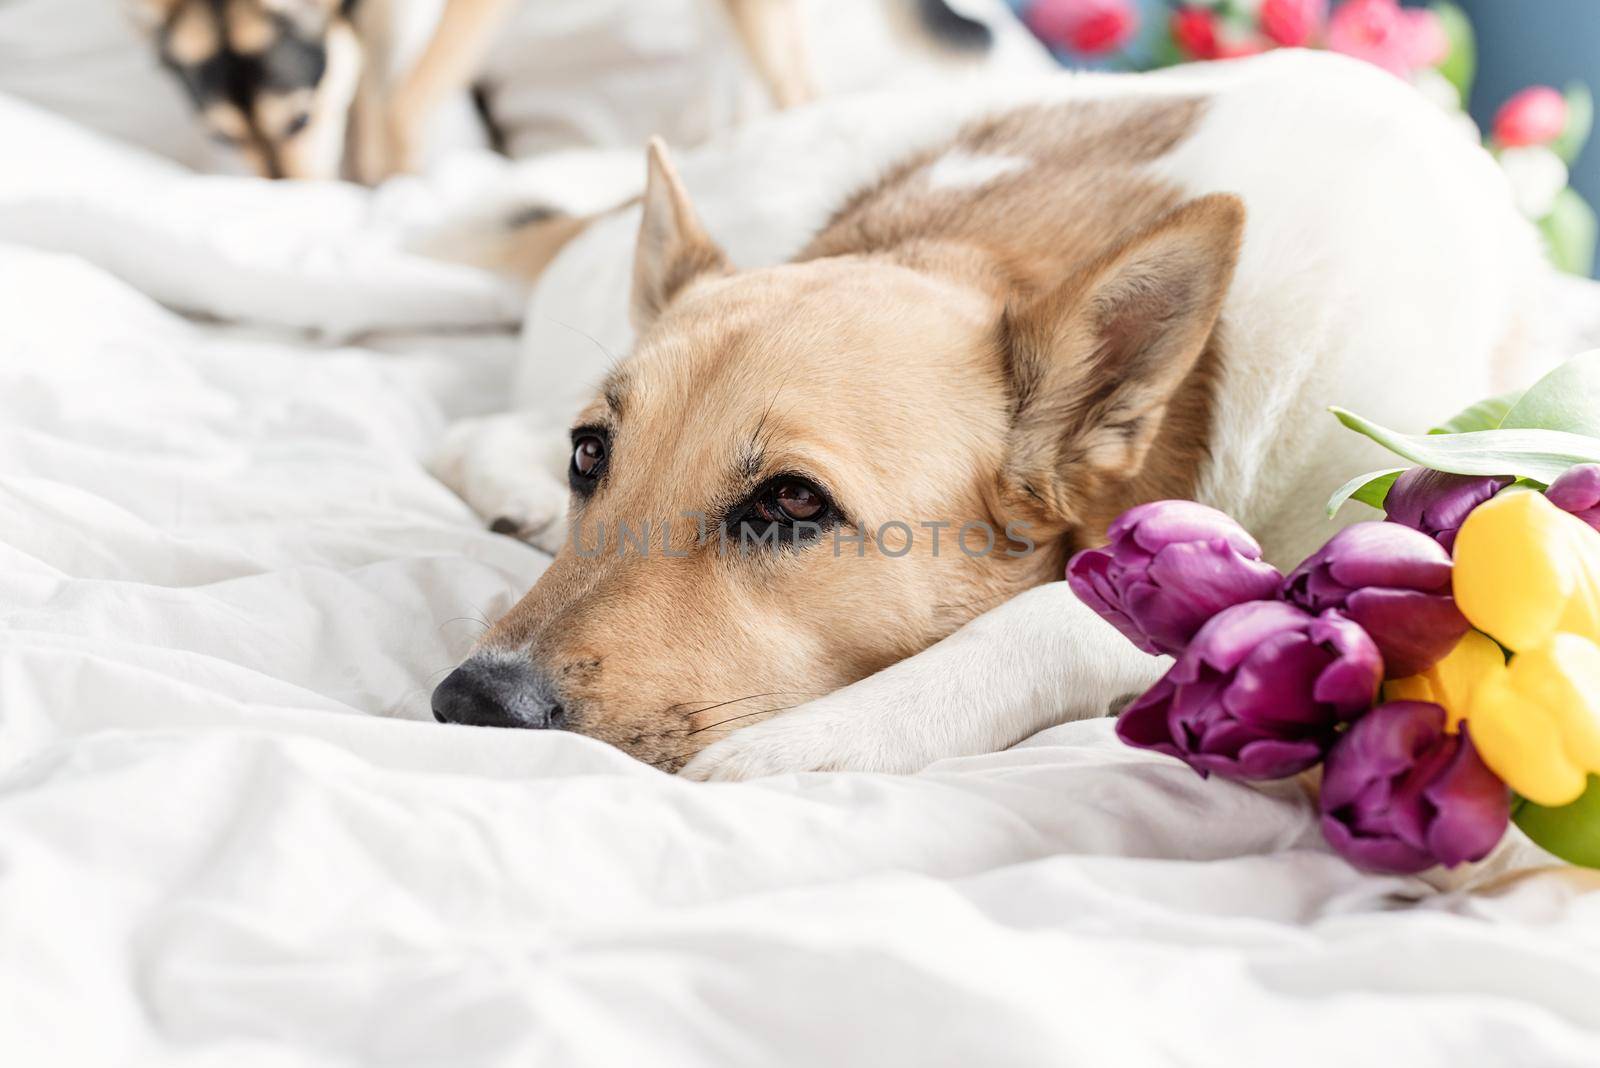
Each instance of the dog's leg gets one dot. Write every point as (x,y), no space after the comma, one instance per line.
(773,35)
(369,136)
(370,159)
(452,59)
(511,470)
(1040,659)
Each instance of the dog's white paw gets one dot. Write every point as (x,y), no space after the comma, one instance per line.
(511,472)
(815,737)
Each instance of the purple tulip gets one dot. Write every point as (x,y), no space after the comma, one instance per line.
(1401,794)
(1578,491)
(1170,567)
(1395,583)
(1437,503)
(1259,693)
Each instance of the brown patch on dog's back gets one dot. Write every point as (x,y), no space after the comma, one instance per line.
(1079,192)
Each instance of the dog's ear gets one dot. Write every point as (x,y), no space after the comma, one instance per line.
(673,248)
(149,15)
(1095,363)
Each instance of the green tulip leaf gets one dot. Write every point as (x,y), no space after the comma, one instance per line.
(1371,489)
(1580,121)
(1571,832)
(1567,398)
(1485,415)
(1166,53)
(1569,233)
(1460,64)
(1540,455)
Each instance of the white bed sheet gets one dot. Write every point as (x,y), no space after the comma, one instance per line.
(230,833)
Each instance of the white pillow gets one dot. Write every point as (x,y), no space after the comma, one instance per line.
(328,257)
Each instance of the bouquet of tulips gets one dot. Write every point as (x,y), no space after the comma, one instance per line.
(1443,664)
(1536,134)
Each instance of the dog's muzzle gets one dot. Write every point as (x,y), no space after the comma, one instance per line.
(498,691)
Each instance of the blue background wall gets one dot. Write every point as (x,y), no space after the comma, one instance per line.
(1526,42)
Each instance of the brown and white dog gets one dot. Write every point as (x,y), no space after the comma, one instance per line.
(1101,291)
(330,88)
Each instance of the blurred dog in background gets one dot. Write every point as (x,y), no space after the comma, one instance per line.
(276,79)
(325,89)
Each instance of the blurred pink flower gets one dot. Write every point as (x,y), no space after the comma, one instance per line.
(1400,40)
(1430,45)
(1194,29)
(1089,27)
(1292,23)
(1535,116)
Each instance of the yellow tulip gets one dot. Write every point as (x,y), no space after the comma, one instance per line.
(1527,574)
(1526,571)
(1536,722)
(1451,682)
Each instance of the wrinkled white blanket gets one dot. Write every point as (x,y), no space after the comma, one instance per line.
(230,833)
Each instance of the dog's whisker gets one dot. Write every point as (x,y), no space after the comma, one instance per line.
(683,706)
(427,685)
(685,733)
(755,436)
(736,700)
(688,754)
(607,353)
(747,715)
(993,598)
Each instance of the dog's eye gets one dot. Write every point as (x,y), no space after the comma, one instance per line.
(791,502)
(588,458)
(787,511)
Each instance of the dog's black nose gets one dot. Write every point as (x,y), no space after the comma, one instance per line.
(498,692)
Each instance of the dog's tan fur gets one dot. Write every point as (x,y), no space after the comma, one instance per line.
(1034,350)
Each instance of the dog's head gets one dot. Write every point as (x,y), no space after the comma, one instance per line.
(271,79)
(806,473)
